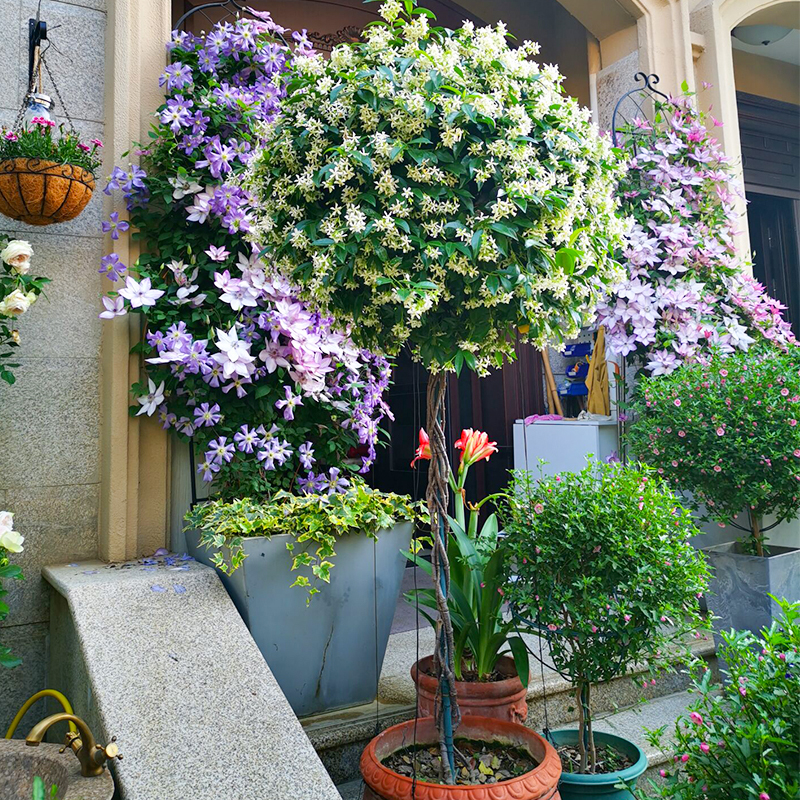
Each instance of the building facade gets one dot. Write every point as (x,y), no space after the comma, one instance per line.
(87,480)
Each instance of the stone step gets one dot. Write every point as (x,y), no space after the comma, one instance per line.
(630,723)
(340,736)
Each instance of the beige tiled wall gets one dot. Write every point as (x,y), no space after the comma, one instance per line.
(49,420)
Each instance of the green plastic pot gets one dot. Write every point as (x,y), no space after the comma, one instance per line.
(581,787)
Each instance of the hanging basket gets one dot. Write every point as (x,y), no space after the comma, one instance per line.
(41,192)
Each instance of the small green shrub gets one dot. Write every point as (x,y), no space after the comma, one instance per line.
(741,740)
(318,519)
(604,569)
(38,141)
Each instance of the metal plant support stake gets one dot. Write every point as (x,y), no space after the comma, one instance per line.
(448,715)
(637,104)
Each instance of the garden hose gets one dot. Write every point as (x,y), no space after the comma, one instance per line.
(31,700)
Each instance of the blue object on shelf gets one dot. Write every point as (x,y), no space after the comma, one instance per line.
(578,372)
(569,389)
(578,350)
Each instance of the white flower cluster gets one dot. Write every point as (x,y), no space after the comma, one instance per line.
(10,540)
(437,188)
(16,255)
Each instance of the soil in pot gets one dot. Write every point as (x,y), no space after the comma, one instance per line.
(609,759)
(477,763)
(540,782)
(504,697)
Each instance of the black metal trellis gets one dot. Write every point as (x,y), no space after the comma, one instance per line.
(638,103)
(634,115)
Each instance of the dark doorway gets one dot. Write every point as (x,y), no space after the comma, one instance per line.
(775,242)
(770,136)
(490,404)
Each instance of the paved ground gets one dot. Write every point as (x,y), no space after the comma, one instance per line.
(405,617)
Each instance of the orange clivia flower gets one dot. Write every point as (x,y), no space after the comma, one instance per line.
(424,449)
(474,446)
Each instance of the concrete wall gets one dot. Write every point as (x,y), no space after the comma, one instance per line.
(50,419)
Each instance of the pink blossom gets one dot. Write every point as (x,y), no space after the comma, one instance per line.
(538,508)
(704,747)
(677,401)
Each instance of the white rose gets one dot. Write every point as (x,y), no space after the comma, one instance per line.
(17,254)
(16,304)
(9,538)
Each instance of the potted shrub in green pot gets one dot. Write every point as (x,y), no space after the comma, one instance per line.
(741,737)
(603,569)
(728,430)
(437,190)
(281,408)
(490,658)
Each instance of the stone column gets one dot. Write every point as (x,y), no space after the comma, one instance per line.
(714,66)
(665,45)
(135,483)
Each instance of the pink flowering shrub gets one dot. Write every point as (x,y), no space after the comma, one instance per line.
(39,141)
(686,290)
(605,571)
(740,739)
(727,430)
(273,396)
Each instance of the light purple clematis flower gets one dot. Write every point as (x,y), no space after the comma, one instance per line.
(217,253)
(289,404)
(114,225)
(140,293)
(115,307)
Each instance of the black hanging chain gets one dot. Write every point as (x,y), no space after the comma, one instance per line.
(64,110)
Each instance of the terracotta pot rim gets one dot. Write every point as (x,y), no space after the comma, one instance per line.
(546,772)
(511,683)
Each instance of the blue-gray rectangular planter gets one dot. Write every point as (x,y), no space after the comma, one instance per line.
(323,655)
(740,585)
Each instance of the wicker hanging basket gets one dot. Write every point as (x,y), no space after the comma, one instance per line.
(43,192)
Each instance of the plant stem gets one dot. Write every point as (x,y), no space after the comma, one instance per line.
(590,732)
(581,727)
(447,716)
(758,537)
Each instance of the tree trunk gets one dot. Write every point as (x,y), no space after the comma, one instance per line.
(579,691)
(592,754)
(758,537)
(447,713)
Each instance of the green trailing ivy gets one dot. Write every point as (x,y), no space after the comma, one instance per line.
(314,523)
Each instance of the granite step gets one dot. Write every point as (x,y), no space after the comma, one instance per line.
(340,736)
(631,723)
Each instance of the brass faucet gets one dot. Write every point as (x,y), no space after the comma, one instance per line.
(91,755)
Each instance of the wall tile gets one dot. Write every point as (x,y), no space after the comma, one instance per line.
(64,322)
(11,88)
(50,424)
(29,642)
(76,56)
(59,524)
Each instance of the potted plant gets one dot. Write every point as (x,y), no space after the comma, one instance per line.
(605,572)
(490,658)
(273,397)
(740,737)
(46,178)
(10,543)
(346,544)
(438,190)
(18,291)
(727,431)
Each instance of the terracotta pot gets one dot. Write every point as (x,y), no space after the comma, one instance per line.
(42,192)
(382,783)
(505,699)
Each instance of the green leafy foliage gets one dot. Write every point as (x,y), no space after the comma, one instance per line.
(18,291)
(38,141)
(482,633)
(314,523)
(438,189)
(8,571)
(740,740)
(727,430)
(604,569)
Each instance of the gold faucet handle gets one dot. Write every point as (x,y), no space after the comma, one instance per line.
(110,751)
